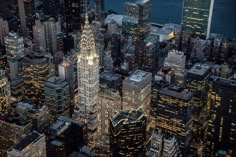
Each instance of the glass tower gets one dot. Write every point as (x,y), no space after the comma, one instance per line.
(197,15)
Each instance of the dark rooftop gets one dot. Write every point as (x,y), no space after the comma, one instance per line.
(177,92)
(30,138)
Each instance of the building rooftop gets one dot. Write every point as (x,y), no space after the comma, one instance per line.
(137,80)
(109,76)
(138,76)
(177,92)
(62,123)
(127,116)
(55,81)
(14,118)
(26,141)
(57,143)
(200,70)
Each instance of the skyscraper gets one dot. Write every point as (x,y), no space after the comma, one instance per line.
(197,82)
(172,107)
(176,61)
(222,123)
(51,35)
(66,71)
(136,20)
(88,82)
(4,91)
(39,36)
(14,46)
(35,70)
(136,91)
(72,15)
(197,16)
(26,14)
(4,30)
(100,9)
(128,133)
(57,96)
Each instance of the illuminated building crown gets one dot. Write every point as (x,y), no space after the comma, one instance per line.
(87,37)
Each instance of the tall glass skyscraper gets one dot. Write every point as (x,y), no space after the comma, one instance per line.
(197,15)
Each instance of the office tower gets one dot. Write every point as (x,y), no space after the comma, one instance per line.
(51,36)
(66,72)
(39,36)
(26,13)
(172,109)
(35,70)
(4,30)
(50,8)
(222,123)
(99,6)
(32,145)
(57,96)
(14,46)
(88,82)
(72,15)
(136,91)
(64,136)
(128,133)
(5,91)
(197,16)
(150,59)
(13,128)
(136,19)
(39,117)
(21,10)
(176,61)
(197,82)
(109,102)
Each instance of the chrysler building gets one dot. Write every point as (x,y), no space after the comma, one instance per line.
(88,83)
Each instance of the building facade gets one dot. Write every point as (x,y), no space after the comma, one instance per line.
(172,107)
(136,91)
(57,96)
(176,61)
(197,16)
(222,122)
(5,91)
(35,70)
(88,82)
(128,133)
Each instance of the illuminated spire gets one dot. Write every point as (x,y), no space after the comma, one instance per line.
(87,37)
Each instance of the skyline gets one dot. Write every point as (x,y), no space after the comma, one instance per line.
(77,81)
